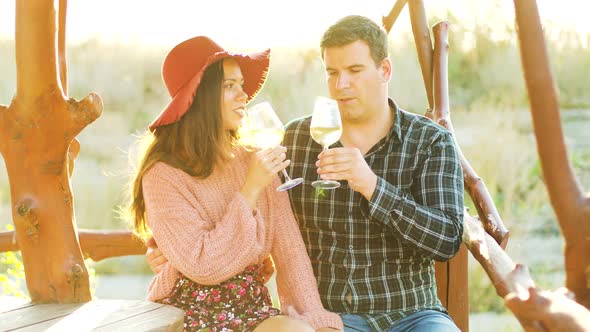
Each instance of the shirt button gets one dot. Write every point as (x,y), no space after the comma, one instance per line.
(351,247)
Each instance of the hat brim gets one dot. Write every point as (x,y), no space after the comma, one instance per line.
(254,67)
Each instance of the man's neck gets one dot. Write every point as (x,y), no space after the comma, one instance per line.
(365,134)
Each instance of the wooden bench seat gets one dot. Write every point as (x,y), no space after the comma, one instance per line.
(96,315)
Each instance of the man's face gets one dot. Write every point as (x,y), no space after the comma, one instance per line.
(355,81)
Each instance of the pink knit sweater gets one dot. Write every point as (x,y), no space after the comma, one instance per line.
(207,231)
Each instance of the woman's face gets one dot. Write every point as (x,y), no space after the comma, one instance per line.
(233,98)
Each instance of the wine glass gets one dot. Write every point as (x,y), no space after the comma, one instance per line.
(262,128)
(326,129)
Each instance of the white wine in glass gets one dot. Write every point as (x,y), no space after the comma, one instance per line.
(326,129)
(262,129)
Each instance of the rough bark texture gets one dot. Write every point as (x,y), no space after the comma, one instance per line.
(452,276)
(571,205)
(36,132)
(506,276)
(486,209)
(536,310)
(549,311)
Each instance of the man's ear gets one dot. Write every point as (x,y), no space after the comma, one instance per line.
(385,70)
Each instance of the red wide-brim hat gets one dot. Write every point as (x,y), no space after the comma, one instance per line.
(185,64)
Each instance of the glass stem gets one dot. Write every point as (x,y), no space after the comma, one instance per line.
(287,178)
(325,149)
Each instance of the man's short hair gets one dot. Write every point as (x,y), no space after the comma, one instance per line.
(354,27)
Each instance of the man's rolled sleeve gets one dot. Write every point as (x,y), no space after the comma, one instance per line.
(430,217)
(385,199)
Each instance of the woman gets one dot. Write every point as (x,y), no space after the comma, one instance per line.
(211,207)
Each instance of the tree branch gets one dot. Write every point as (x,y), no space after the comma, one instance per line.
(35,47)
(61,45)
(8,241)
(571,206)
(564,190)
(97,245)
(535,310)
(423,45)
(82,113)
(549,311)
(390,19)
(442,115)
(506,276)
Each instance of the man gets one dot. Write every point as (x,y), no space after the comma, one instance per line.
(373,241)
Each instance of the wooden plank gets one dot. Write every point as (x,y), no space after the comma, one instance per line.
(9,303)
(459,290)
(92,316)
(33,314)
(156,320)
(453,292)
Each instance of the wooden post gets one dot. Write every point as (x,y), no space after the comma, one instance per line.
(452,276)
(473,183)
(506,276)
(36,132)
(423,45)
(571,205)
(390,19)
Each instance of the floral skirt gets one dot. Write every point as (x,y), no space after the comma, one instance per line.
(237,304)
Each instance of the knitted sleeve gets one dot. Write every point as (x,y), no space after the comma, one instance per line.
(296,283)
(206,251)
(163,283)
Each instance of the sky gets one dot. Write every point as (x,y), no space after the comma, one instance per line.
(258,24)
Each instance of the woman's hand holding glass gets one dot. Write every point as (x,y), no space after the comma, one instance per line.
(263,168)
(263,129)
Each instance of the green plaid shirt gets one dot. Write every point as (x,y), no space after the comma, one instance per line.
(382,251)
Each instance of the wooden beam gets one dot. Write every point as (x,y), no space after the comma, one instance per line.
(35,48)
(549,311)
(390,19)
(96,245)
(8,241)
(571,205)
(452,282)
(486,209)
(99,245)
(423,45)
(452,276)
(506,276)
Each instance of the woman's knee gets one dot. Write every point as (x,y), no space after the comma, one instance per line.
(283,324)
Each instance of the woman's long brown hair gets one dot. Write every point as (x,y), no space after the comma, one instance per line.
(193,144)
